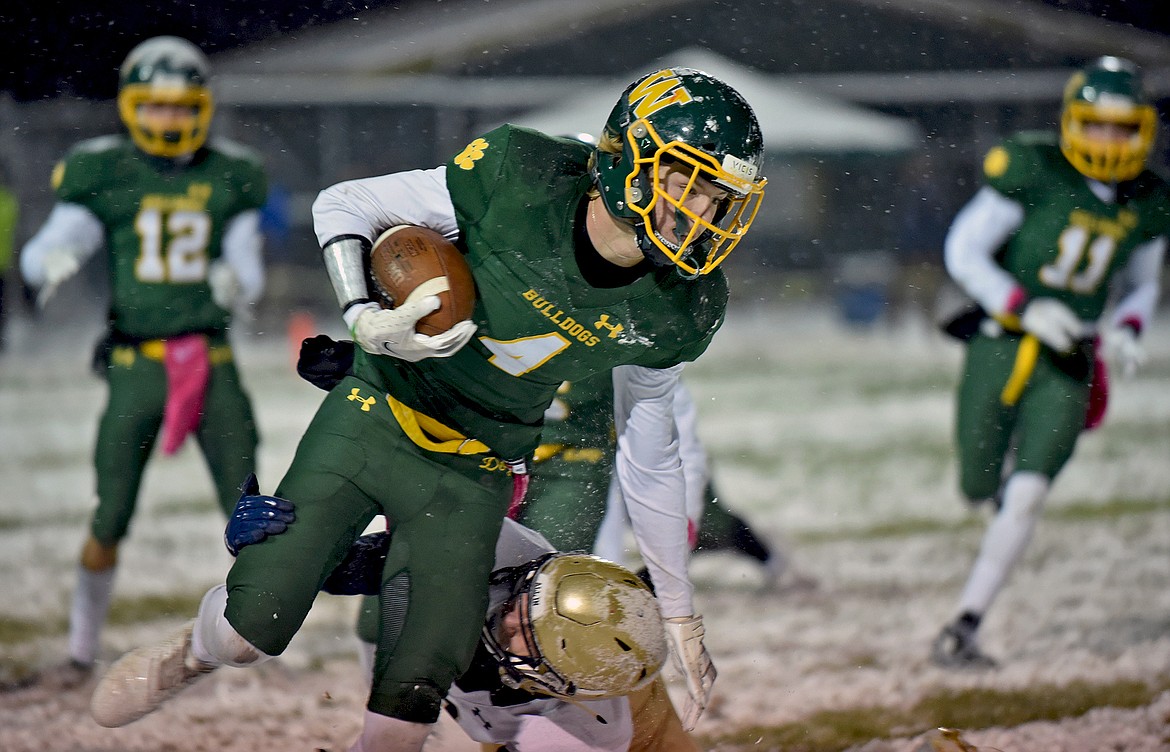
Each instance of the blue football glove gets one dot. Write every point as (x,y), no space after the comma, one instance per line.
(256,517)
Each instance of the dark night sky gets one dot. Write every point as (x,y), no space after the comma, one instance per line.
(74,47)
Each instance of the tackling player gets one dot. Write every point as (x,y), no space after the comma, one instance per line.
(1059,223)
(179,220)
(570,651)
(584,260)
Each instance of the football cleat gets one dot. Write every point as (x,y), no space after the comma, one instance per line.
(956,647)
(143,679)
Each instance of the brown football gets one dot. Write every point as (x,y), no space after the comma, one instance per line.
(406,256)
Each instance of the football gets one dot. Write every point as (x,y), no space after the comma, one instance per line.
(405,257)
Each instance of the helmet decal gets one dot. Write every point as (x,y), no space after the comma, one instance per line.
(658,90)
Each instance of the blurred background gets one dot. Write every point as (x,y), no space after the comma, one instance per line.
(876,113)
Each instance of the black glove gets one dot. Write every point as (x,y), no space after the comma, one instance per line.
(324,362)
(361,571)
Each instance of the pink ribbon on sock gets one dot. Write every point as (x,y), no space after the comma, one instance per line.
(1098,391)
(188,367)
(520,479)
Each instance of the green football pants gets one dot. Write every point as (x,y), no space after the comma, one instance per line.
(130,426)
(444,512)
(567,496)
(1043,424)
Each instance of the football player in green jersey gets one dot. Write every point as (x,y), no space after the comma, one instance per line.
(178,219)
(567,498)
(1060,224)
(584,260)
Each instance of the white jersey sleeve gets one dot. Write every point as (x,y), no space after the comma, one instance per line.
(976,233)
(650,473)
(546,723)
(1139,283)
(518,545)
(70,228)
(243,247)
(692,452)
(368,206)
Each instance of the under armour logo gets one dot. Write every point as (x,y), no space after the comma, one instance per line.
(467,158)
(603,323)
(367,402)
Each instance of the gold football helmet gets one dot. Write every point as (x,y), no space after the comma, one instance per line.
(1109,90)
(166,70)
(590,628)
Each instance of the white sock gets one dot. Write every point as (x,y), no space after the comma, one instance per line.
(366,653)
(1005,540)
(87,615)
(382,733)
(214,641)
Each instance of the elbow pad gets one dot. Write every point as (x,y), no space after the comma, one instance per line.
(345,262)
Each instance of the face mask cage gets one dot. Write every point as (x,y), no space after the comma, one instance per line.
(701,245)
(531,673)
(169,142)
(1107,161)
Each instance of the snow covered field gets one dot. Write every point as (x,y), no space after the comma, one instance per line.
(834,443)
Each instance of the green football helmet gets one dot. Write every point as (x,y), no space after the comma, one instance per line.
(166,70)
(591,628)
(1108,90)
(684,119)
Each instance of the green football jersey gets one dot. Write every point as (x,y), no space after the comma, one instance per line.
(163,227)
(1070,242)
(519,196)
(581,415)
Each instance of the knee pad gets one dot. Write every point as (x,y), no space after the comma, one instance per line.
(215,638)
(416,702)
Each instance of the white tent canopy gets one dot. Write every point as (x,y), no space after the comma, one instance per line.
(793,120)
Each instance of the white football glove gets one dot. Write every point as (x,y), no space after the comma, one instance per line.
(391,332)
(1053,323)
(1124,350)
(691,659)
(224,284)
(59,265)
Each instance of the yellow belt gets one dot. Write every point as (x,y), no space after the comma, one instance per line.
(546,452)
(430,434)
(1026,355)
(156,349)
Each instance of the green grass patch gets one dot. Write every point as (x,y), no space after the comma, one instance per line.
(911,526)
(827,458)
(13,631)
(154,607)
(902,528)
(123,611)
(837,730)
(1105,510)
(11,523)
